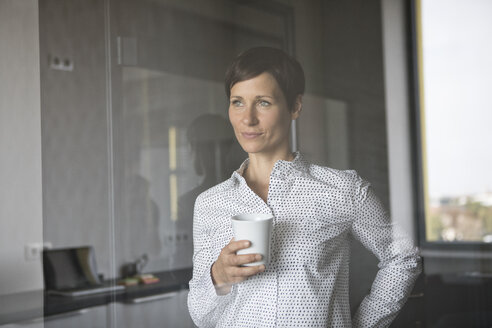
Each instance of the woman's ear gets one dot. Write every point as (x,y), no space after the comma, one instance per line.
(296,111)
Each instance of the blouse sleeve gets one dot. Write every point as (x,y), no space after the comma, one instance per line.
(399,262)
(205,306)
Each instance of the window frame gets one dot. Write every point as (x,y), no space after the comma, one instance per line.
(466,248)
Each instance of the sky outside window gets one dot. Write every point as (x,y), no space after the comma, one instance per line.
(457,70)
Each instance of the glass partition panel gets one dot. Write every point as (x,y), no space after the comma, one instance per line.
(135,127)
(172,136)
(76,158)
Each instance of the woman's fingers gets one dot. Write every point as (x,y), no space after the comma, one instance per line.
(245,272)
(234,246)
(229,266)
(237,260)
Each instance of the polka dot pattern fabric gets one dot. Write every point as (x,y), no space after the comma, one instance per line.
(306,284)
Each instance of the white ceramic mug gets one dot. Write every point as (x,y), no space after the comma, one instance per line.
(257,228)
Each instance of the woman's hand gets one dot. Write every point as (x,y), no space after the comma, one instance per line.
(227,269)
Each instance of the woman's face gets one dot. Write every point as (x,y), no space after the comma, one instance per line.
(259,115)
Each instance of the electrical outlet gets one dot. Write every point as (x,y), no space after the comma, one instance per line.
(33,251)
(60,63)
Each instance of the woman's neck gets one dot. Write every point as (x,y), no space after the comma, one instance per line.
(261,165)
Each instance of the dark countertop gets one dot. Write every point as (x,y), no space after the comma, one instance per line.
(26,305)
(21,306)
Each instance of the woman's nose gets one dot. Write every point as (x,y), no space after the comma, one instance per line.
(249,116)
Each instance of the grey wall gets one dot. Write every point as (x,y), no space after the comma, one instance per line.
(20,146)
(74,128)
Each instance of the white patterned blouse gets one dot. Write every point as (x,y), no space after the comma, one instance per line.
(306,284)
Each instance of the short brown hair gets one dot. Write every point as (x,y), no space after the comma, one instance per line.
(284,68)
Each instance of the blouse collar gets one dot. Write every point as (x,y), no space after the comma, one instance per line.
(281,168)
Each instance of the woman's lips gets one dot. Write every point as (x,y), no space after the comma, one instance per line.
(250,135)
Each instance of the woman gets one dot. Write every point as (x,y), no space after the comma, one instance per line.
(316,209)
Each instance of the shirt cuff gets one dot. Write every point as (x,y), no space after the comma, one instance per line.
(212,291)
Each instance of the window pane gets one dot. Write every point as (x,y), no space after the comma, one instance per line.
(457,72)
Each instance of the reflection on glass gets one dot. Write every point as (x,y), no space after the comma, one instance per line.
(458,114)
(324,133)
(172,148)
(173,182)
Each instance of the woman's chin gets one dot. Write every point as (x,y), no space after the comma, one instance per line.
(251,149)
(256,148)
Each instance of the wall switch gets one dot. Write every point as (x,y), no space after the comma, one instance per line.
(32,251)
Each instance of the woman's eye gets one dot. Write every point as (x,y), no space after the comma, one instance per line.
(236,103)
(264,103)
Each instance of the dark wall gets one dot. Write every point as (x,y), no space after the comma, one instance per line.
(353,72)
(353,58)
